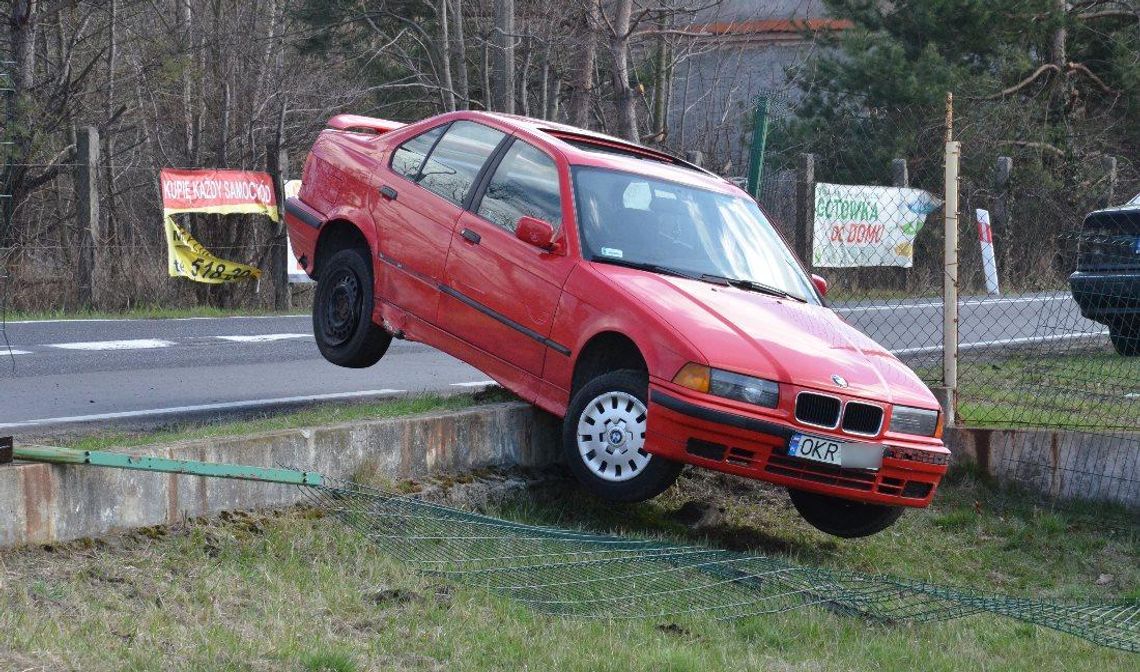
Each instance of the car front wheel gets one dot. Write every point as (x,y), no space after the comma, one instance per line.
(342,312)
(604,439)
(843,517)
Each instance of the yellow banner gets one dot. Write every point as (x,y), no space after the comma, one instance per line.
(188,259)
(211,191)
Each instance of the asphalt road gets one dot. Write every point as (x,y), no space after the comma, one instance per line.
(75,373)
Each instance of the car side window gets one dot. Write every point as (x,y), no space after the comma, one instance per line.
(451,168)
(524,184)
(409,157)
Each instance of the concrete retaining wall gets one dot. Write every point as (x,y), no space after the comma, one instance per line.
(42,503)
(1059,464)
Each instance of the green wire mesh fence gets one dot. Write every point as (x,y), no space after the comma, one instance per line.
(587,575)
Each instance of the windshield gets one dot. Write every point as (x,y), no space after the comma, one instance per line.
(634,220)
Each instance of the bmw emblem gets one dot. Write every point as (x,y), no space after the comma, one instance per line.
(839,380)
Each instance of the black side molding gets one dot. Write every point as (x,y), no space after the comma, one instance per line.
(531,333)
(296,207)
(720,417)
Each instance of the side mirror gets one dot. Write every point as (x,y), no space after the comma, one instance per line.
(537,232)
(820,284)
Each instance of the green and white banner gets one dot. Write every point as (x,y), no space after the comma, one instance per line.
(868,226)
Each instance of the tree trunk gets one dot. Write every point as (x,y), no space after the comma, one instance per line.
(619,54)
(660,83)
(503,58)
(582,84)
(22,36)
(459,56)
(445,50)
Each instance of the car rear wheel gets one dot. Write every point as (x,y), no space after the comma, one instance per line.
(843,517)
(342,312)
(603,438)
(1126,339)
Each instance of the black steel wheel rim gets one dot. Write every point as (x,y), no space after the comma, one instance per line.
(342,309)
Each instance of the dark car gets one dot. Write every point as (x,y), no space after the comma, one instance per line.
(1106,284)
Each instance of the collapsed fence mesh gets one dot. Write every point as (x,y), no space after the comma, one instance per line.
(587,575)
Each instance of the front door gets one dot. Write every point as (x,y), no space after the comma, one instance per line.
(501,292)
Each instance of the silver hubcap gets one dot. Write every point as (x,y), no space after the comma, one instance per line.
(611,436)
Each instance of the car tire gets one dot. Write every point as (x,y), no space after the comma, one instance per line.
(342,312)
(1125,341)
(843,517)
(603,437)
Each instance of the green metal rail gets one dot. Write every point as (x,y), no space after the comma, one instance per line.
(99,458)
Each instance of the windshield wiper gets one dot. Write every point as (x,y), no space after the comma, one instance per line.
(754,286)
(652,268)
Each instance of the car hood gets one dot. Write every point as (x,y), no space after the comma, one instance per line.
(781,339)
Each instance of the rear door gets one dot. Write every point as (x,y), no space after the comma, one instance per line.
(501,292)
(435,173)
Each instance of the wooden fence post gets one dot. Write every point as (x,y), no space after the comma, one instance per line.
(1109,194)
(899,175)
(87,213)
(277,165)
(805,208)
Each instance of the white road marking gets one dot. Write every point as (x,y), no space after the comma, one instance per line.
(965,302)
(1022,340)
(6,351)
(130,344)
(156,319)
(477,383)
(263,338)
(175,410)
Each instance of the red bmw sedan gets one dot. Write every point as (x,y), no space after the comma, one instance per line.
(648,302)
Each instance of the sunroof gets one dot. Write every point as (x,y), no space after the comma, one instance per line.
(616,147)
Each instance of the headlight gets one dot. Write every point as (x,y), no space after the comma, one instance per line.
(914,421)
(729,385)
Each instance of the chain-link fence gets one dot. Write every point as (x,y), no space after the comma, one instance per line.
(1047,326)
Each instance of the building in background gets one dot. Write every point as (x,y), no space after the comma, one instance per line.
(745,48)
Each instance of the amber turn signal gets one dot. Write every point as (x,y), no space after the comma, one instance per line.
(694,376)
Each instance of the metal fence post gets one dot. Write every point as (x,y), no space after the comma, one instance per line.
(277,164)
(756,147)
(950,277)
(87,212)
(805,209)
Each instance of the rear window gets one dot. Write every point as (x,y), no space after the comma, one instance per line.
(451,168)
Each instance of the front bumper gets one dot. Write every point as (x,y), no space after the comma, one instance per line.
(1108,297)
(704,433)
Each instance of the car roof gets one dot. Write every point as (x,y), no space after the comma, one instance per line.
(590,148)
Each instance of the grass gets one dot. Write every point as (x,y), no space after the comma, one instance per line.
(325,414)
(146,313)
(300,592)
(1079,390)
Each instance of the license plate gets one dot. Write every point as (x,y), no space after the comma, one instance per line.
(838,453)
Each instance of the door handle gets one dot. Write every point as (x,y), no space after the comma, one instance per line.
(388,192)
(470,236)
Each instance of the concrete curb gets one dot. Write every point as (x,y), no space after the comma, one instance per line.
(42,504)
(1057,463)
